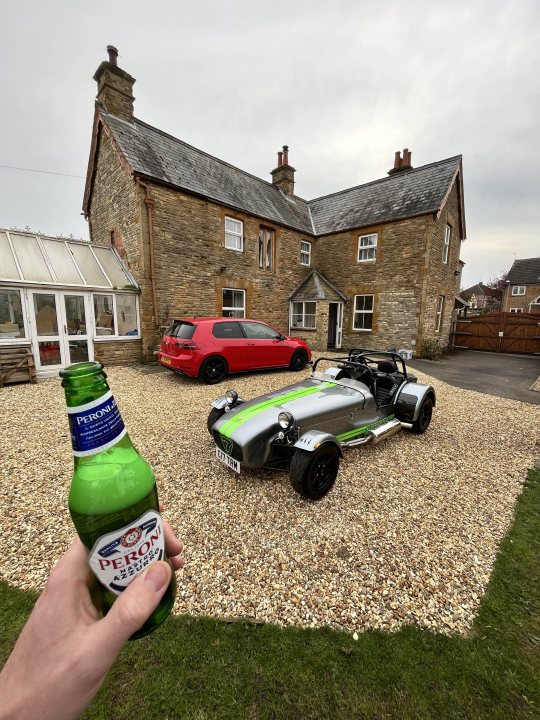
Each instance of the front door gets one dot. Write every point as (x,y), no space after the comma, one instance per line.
(59,323)
(335,325)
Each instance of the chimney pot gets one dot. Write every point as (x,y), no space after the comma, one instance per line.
(280,158)
(285,154)
(113,54)
(406,157)
(397,159)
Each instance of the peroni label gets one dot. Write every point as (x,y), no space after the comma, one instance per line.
(95,426)
(118,557)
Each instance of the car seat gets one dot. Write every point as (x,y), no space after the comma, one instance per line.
(386,381)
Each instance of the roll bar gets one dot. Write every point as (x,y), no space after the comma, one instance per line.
(360,356)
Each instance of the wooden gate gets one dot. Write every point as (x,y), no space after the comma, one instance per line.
(499,332)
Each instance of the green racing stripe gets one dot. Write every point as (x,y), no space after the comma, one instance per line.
(363,430)
(240,418)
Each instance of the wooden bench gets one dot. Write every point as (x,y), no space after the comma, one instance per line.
(16,365)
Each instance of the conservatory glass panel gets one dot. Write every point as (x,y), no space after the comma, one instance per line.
(30,257)
(62,262)
(88,266)
(8,269)
(11,316)
(103,313)
(110,264)
(126,314)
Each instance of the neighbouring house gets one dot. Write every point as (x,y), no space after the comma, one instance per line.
(522,292)
(375,265)
(66,301)
(481,296)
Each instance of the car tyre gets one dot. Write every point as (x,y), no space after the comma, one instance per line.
(213,417)
(420,425)
(314,473)
(213,370)
(298,360)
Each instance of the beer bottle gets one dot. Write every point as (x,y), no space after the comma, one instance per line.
(113,498)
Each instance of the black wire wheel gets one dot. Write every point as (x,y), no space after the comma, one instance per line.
(213,370)
(420,425)
(314,473)
(213,417)
(299,359)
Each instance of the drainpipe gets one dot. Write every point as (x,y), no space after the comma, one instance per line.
(149,202)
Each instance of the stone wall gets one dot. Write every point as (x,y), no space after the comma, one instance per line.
(440,279)
(118,352)
(316,339)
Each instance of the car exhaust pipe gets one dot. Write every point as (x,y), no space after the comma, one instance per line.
(384,431)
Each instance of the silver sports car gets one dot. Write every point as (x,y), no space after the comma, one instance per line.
(362,398)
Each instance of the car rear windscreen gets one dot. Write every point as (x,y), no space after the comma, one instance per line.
(181,329)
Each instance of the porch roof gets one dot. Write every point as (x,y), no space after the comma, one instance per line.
(317,287)
(27,258)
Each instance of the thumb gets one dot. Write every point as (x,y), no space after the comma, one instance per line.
(132,608)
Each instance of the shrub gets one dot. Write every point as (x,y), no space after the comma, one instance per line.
(430,349)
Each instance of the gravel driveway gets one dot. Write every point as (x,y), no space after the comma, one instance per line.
(408,534)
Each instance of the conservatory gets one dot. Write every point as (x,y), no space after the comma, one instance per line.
(66,300)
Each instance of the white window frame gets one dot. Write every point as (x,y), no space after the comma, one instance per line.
(116,336)
(234,309)
(303,326)
(19,340)
(234,240)
(516,309)
(363,312)
(267,235)
(439,313)
(447,240)
(305,253)
(365,248)
(519,289)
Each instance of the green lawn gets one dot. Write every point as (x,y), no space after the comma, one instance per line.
(201,668)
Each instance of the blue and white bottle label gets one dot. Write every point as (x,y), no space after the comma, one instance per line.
(118,557)
(95,426)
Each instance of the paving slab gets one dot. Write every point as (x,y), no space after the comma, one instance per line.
(503,375)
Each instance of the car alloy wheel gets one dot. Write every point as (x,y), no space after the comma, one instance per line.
(213,370)
(314,473)
(298,360)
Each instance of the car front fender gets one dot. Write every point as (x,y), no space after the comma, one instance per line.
(312,439)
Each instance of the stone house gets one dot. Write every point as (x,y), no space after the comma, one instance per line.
(522,293)
(375,265)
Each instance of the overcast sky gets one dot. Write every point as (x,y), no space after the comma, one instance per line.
(345,83)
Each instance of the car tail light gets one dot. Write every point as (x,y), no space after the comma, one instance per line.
(186,345)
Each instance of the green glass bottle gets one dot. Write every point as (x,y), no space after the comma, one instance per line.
(113,497)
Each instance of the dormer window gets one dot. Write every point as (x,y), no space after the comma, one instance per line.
(367,247)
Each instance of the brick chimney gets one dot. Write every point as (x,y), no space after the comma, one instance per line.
(283,175)
(401,163)
(115,87)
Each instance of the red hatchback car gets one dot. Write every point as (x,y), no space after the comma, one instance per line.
(210,348)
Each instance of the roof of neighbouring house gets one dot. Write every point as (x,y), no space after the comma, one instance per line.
(525,272)
(162,157)
(481,289)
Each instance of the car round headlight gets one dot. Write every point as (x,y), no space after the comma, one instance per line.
(285,420)
(231,396)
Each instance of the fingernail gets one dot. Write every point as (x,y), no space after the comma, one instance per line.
(157,576)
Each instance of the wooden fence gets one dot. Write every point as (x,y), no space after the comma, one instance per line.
(499,332)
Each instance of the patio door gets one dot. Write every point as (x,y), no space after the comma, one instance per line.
(59,323)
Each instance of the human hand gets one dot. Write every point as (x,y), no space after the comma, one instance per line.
(65,649)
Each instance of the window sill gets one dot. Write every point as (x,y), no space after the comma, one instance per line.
(303,329)
(362,330)
(15,341)
(115,338)
(305,264)
(234,249)
(358,262)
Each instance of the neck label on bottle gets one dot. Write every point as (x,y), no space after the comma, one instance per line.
(95,426)
(118,557)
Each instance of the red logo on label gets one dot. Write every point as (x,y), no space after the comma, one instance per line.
(131,537)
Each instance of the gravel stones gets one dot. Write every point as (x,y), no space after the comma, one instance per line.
(408,534)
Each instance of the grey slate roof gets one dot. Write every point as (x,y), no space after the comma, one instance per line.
(160,156)
(525,272)
(405,194)
(317,287)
